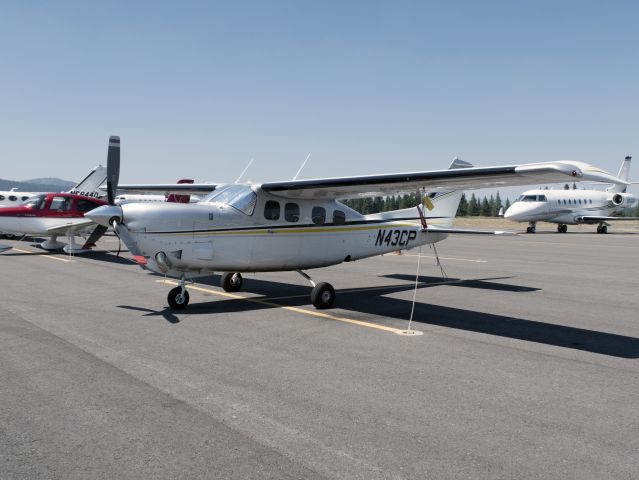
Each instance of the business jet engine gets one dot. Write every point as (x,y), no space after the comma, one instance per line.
(620,199)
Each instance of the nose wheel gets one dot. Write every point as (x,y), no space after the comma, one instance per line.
(531,229)
(178,297)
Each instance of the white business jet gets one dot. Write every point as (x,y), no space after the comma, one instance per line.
(300,224)
(573,207)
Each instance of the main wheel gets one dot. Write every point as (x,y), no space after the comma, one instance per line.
(528,229)
(604,229)
(231,282)
(564,228)
(323,295)
(598,228)
(559,228)
(177,300)
(533,229)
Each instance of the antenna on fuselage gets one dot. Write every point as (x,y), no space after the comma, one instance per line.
(303,163)
(244,171)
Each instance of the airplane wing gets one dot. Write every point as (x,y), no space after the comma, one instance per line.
(167,188)
(70,227)
(465,231)
(438,180)
(595,219)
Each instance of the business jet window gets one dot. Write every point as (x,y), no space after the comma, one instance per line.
(339,217)
(1,198)
(272,210)
(13,198)
(36,202)
(292,212)
(579,201)
(527,198)
(240,197)
(541,198)
(318,215)
(590,201)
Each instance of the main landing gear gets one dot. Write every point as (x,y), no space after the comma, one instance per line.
(178,297)
(322,295)
(602,229)
(531,228)
(562,228)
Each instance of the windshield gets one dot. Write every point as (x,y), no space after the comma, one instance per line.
(36,202)
(532,198)
(240,197)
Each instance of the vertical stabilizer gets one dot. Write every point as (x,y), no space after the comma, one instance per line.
(624,174)
(90,186)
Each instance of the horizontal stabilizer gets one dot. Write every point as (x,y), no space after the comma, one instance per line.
(467,231)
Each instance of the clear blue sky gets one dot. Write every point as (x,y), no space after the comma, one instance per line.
(196,89)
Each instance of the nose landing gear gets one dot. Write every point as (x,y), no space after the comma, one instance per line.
(178,297)
(532,228)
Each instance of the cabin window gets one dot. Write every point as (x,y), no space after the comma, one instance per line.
(36,202)
(590,201)
(541,198)
(318,215)
(272,210)
(292,212)
(339,217)
(13,198)
(1,198)
(60,204)
(25,198)
(580,201)
(86,205)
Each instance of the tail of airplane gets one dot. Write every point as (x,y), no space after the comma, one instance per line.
(90,186)
(439,208)
(176,198)
(624,174)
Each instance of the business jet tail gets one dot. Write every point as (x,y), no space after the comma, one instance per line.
(624,174)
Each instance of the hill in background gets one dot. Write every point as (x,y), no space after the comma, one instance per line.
(37,185)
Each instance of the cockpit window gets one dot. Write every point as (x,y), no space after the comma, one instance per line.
(541,198)
(532,198)
(240,197)
(36,202)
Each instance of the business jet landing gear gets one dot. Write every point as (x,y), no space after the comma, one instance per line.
(322,295)
(231,282)
(562,228)
(602,229)
(532,228)
(178,297)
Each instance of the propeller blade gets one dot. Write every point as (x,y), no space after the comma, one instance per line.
(113,168)
(123,232)
(95,236)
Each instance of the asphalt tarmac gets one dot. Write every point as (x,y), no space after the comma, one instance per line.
(528,367)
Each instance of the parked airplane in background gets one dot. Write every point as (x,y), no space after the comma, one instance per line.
(573,207)
(88,187)
(300,224)
(168,197)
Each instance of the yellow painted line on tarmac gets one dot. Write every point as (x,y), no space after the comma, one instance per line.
(50,257)
(312,313)
(475,260)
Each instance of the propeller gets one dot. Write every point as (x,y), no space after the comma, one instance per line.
(113,168)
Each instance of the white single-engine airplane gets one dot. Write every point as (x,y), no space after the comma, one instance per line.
(299,224)
(573,207)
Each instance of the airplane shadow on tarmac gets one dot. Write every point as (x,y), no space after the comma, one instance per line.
(377,302)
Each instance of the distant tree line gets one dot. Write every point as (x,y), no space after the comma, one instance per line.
(485,207)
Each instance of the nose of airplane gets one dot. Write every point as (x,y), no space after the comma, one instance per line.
(105,214)
(513,212)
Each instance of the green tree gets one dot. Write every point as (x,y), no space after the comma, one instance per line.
(462,209)
(507,204)
(485,208)
(473,206)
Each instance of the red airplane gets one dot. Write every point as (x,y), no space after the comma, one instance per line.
(52,215)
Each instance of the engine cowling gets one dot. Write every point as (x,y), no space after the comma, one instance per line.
(618,199)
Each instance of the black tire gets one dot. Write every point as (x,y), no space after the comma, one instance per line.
(533,229)
(564,228)
(323,295)
(559,228)
(604,229)
(599,229)
(231,282)
(176,300)
(528,230)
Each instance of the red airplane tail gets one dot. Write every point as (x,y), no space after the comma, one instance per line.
(175,198)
